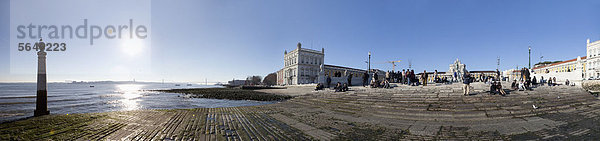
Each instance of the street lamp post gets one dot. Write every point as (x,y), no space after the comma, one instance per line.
(498,62)
(369,69)
(367,62)
(529,57)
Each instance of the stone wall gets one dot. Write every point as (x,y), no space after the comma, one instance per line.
(591,85)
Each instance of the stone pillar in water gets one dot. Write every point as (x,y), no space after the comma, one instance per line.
(41,107)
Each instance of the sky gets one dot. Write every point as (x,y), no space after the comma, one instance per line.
(198,40)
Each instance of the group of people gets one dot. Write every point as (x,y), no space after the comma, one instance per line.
(403,77)
(550,82)
(525,82)
(376,83)
(406,77)
(496,87)
(339,87)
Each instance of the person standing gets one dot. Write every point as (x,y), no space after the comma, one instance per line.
(328,81)
(408,81)
(365,78)
(466,81)
(522,74)
(454,77)
(527,78)
(435,76)
(349,79)
(387,75)
(424,78)
(413,77)
(497,75)
(375,76)
(403,76)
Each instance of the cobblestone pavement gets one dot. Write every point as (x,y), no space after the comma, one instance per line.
(442,112)
(401,113)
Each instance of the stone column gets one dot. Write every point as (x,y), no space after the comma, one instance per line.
(41,107)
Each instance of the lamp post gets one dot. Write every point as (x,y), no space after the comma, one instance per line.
(498,62)
(529,57)
(369,68)
(367,62)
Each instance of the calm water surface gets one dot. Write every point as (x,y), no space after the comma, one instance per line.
(17,100)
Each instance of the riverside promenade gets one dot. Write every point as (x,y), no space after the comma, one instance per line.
(402,113)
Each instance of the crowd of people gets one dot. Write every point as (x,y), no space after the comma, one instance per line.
(405,77)
(408,77)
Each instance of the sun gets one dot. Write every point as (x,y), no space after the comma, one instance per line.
(132,47)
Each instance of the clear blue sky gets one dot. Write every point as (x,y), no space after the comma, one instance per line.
(224,39)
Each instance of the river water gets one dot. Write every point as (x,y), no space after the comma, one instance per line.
(17,100)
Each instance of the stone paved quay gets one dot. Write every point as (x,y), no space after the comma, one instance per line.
(402,113)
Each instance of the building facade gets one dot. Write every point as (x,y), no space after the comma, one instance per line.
(511,74)
(301,66)
(575,70)
(571,65)
(592,65)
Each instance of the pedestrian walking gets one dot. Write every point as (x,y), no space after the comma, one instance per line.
(466,81)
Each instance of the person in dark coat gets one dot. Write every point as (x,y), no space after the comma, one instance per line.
(493,88)
(350,79)
(466,82)
(497,75)
(375,76)
(338,87)
(424,78)
(365,78)
(328,81)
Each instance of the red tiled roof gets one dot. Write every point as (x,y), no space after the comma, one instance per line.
(554,64)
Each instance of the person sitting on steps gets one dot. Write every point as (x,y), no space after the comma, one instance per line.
(319,87)
(499,89)
(338,87)
(522,86)
(493,88)
(514,85)
(345,87)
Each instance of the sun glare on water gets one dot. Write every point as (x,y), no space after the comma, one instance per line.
(131,94)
